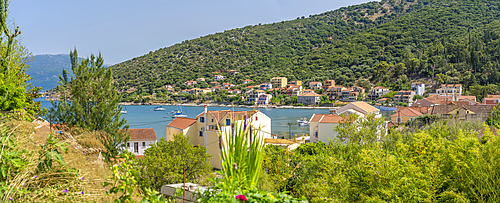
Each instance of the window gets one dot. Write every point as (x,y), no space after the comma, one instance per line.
(228,121)
(200,133)
(143,144)
(212,120)
(316,134)
(136,147)
(202,119)
(128,144)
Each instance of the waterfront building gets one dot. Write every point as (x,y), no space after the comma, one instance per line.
(140,139)
(264,99)
(377,92)
(208,124)
(279,82)
(309,99)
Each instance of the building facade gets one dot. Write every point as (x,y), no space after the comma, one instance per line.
(140,139)
(279,82)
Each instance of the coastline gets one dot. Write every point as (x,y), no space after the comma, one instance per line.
(223,105)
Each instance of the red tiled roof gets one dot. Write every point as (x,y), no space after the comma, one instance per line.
(379,87)
(331,119)
(310,94)
(406,112)
(317,117)
(142,134)
(182,123)
(451,85)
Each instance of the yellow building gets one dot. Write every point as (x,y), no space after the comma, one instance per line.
(203,131)
(279,82)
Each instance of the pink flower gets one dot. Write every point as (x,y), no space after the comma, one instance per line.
(241,197)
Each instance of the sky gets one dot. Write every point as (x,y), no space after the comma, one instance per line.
(123,29)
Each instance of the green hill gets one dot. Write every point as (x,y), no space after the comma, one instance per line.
(387,42)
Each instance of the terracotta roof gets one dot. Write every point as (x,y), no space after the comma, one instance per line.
(451,85)
(182,123)
(219,115)
(479,108)
(310,94)
(247,80)
(443,109)
(367,107)
(331,119)
(142,134)
(379,87)
(314,82)
(317,117)
(383,99)
(406,112)
(472,98)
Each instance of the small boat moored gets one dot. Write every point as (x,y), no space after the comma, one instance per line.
(303,122)
(159,108)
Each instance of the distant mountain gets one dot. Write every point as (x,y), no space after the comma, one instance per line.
(45,69)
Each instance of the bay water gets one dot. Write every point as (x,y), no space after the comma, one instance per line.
(144,116)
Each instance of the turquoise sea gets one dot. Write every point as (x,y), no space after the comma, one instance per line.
(142,116)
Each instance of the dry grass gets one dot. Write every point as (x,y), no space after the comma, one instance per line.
(86,171)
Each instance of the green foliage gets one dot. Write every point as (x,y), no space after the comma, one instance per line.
(179,158)
(89,100)
(241,157)
(16,93)
(12,160)
(51,152)
(123,182)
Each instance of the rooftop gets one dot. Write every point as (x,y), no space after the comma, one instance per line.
(142,134)
(182,123)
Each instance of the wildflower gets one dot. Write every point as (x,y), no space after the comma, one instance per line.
(82,193)
(235,167)
(34,177)
(270,195)
(65,190)
(10,198)
(82,178)
(241,197)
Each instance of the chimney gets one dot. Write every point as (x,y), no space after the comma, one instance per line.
(205,126)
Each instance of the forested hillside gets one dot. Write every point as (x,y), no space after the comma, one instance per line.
(388,42)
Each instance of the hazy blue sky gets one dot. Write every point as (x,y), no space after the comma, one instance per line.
(124,29)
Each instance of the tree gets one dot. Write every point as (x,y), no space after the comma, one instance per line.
(94,102)
(166,162)
(16,93)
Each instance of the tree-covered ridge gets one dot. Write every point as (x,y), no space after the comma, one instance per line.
(253,46)
(444,41)
(449,38)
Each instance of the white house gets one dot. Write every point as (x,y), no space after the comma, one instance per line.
(322,127)
(140,139)
(218,77)
(418,87)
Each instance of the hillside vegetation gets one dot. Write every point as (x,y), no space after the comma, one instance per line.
(252,49)
(389,42)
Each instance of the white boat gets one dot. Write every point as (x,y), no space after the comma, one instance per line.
(303,122)
(124,111)
(180,116)
(159,108)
